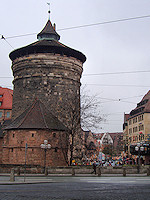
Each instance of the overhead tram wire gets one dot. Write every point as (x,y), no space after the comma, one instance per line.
(88,25)
(104,85)
(3,38)
(106,22)
(116,73)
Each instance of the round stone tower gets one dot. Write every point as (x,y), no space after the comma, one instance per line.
(47,70)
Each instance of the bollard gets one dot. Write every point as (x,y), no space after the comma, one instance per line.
(46,172)
(12,175)
(73,172)
(18,171)
(124,171)
(99,171)
(148,171)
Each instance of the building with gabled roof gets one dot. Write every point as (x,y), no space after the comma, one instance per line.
(113,139)
(32,127)
(6,97)
(137,128)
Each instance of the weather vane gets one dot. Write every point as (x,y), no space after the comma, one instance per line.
(49,11)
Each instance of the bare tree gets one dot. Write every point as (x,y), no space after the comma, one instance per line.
(91,116)
(80,111)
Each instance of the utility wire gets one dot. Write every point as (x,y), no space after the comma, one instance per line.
(106,22)
(117,85)
(88,25)
(116,73)
(3,38)
(16,36)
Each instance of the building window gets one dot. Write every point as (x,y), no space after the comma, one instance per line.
(32,134)
(130,130)
(8,114)
(141,127)
(1,95)
(135,120)
(13,135)
(140,118)
(0,103)
(1,114)
(130,122)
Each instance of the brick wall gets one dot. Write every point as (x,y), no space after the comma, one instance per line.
(14,147)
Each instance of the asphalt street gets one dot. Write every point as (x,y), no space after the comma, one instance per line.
(78,188)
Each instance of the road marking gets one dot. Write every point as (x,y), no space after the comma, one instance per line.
(142,179)
(95,180)
(127,181)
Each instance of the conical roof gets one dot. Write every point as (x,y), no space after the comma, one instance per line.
(37,116)
(48,32)
(48,43)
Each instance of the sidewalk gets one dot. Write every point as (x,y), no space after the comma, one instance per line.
(41,178)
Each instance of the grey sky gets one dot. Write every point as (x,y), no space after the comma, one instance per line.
(115,47)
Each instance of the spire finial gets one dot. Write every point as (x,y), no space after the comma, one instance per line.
(49,11)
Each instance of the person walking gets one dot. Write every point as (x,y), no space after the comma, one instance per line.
(94,167)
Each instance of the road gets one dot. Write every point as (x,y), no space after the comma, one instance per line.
(79,188)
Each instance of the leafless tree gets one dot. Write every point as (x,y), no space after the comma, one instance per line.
(91,116)
(81,112)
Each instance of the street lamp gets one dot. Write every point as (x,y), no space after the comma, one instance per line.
(139,149)
(45,146)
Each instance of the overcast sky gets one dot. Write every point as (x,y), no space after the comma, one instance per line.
(110,48)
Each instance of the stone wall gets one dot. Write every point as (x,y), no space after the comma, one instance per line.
(54,79)
(68,170)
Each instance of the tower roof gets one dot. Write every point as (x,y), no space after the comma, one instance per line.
(47,46)
(48,43)
(48,32)
(37,116)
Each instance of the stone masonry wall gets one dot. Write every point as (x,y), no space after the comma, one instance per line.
(54,79)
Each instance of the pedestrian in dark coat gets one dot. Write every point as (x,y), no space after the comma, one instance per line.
(94,167)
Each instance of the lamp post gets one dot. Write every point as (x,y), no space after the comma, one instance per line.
(45,146)
(139,149)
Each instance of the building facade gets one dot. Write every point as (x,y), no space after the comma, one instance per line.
(6,97)
(111,141)
(137,128)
